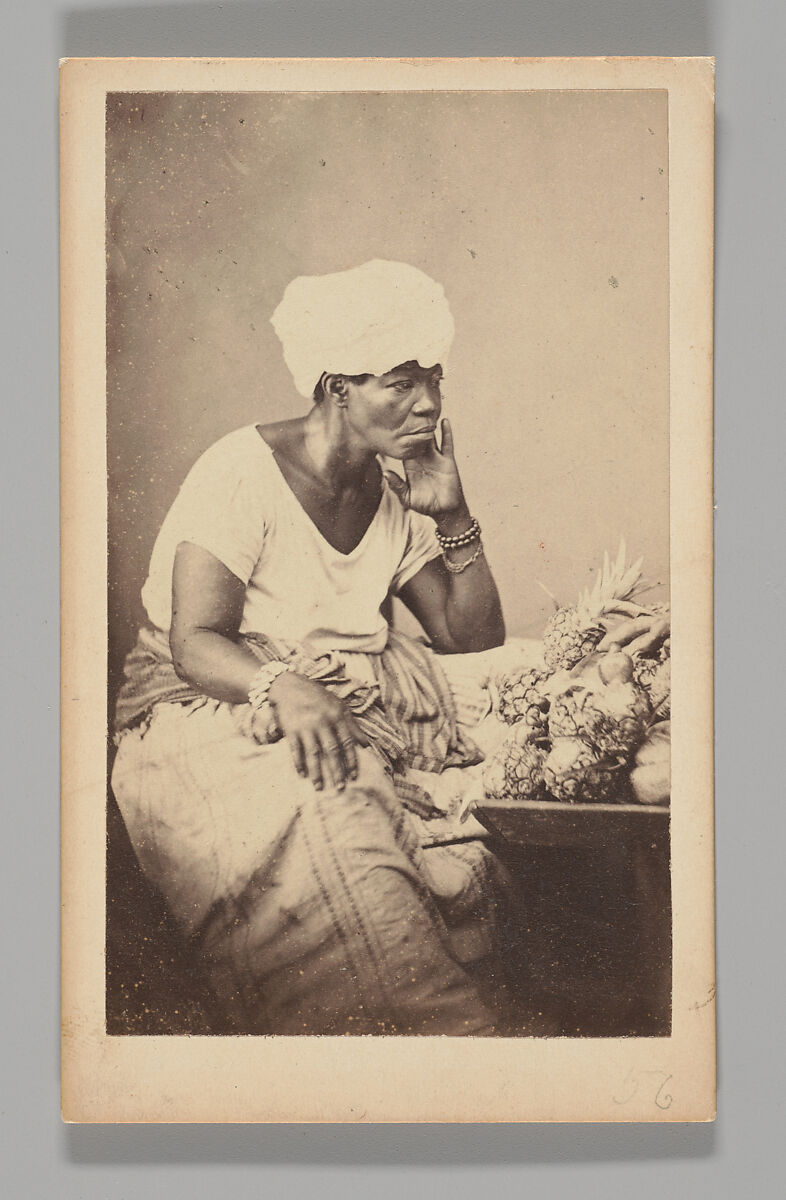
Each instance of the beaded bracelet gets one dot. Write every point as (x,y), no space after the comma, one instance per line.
(457,568)
(263,681)
(453,541)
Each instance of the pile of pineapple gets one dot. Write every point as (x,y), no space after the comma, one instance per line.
(590,726)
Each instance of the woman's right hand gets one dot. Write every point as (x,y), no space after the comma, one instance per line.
(322,733)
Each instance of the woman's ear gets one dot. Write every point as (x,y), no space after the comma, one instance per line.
(335,388)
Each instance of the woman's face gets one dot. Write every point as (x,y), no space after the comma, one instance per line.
(396,414)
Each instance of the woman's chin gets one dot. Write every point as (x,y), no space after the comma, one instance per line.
(412,446)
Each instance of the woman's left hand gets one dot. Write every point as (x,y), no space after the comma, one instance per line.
(432,483)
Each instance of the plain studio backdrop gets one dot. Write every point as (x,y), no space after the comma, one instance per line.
(545,217)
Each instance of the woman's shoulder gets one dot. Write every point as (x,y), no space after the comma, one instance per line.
(282,437)
(239,443)
(236,455)
(237,464)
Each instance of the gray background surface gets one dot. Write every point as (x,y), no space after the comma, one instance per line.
(742,1154)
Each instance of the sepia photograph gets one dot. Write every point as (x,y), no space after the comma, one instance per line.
(400,497)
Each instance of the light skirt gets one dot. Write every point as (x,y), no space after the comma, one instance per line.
(313,912)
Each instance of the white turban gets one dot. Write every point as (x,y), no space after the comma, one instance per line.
(365,321)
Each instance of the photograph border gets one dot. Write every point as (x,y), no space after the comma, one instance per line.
(340,1079)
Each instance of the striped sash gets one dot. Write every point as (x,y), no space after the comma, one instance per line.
(408,713)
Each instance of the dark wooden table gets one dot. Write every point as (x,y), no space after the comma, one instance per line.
(587,935)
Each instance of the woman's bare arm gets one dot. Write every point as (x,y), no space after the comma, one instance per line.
(207,608)
(459,613)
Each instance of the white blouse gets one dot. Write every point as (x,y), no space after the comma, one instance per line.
(236,503)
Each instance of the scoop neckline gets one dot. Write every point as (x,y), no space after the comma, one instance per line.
(312,524)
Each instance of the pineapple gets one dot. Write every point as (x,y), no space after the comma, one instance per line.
(573,633)
(569,636)
(495,777)
(574,773)
(516,770)
(654,675)
(565,768)
(612,720)
(522,699)
(576,727)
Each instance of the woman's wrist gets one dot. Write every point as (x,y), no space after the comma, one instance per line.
(457,564)
(281,683)
(262,682)
(455,521)
(462,548)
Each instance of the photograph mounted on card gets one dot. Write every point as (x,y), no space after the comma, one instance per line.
(387,590)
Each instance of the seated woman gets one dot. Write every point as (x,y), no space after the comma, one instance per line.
(273,730)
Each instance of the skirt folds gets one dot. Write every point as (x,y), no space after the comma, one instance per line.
(313,912)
